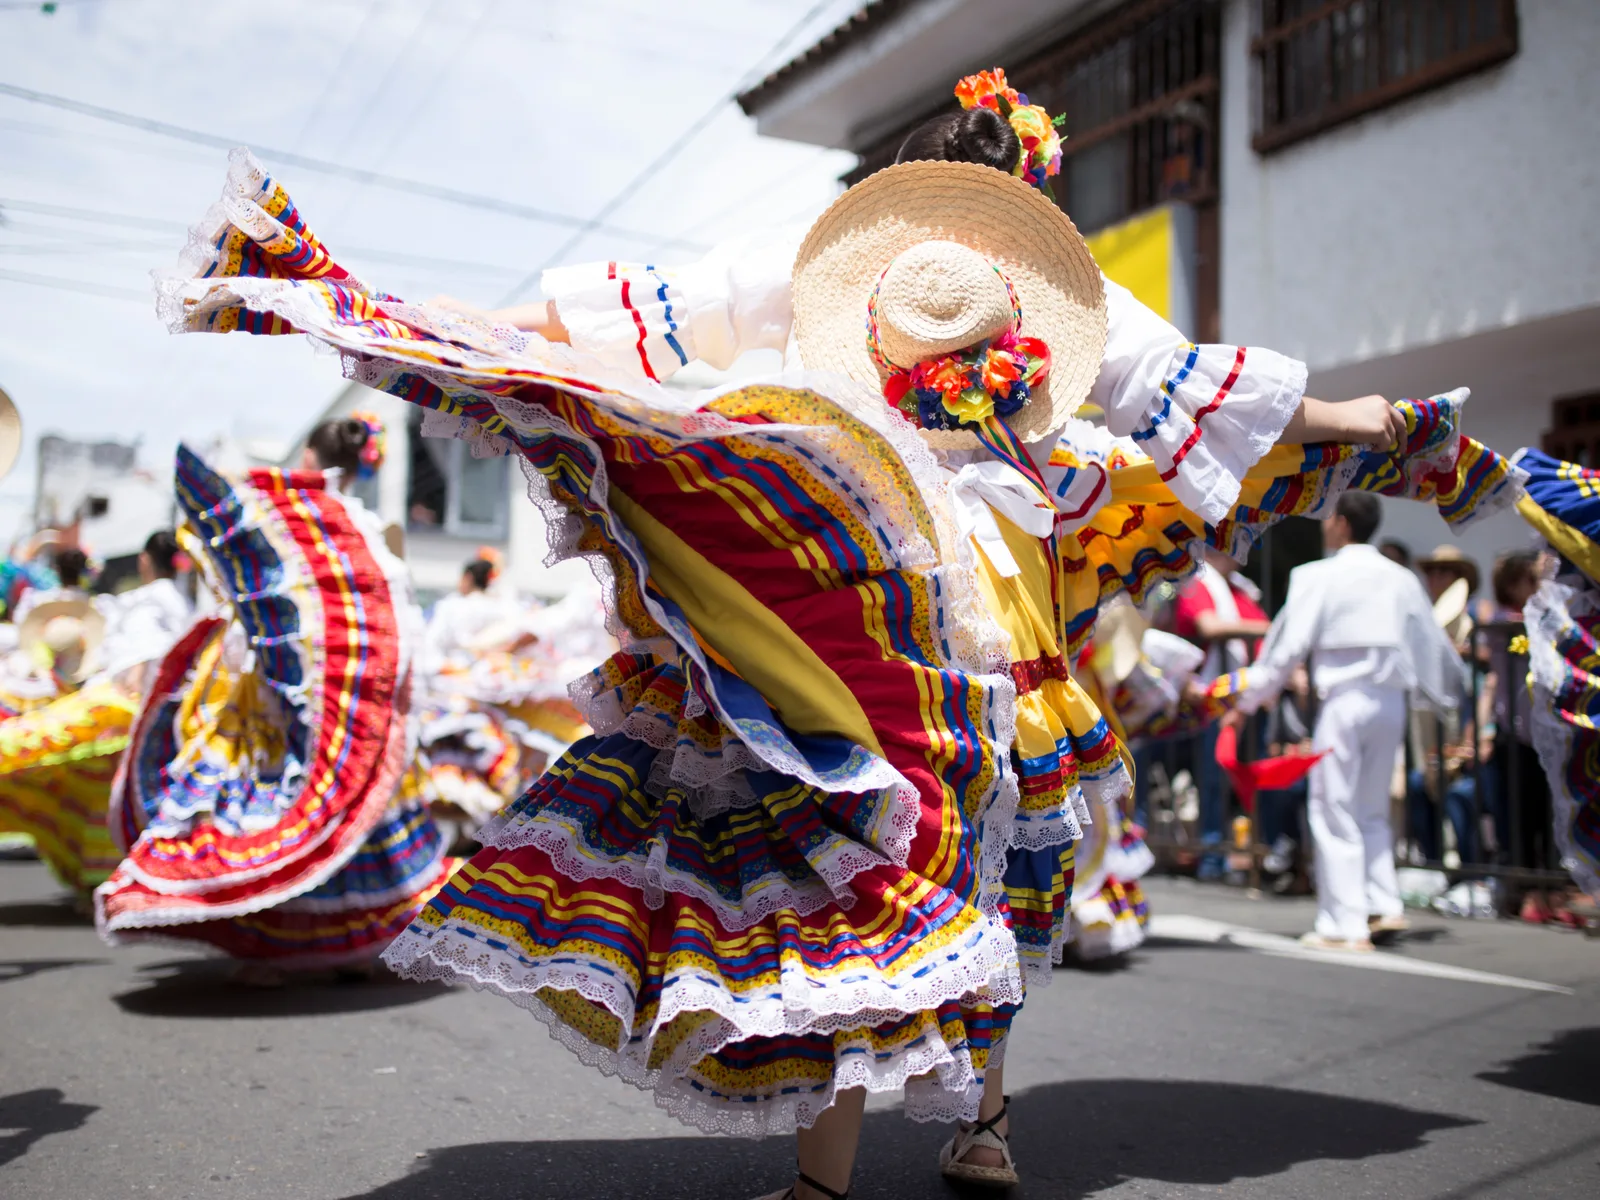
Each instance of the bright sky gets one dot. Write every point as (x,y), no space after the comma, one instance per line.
(549,106)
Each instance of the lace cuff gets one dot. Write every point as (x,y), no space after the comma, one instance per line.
(1219,409)
(630,316)
(652,320)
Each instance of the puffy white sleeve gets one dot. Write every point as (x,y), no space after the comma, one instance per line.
(652,320)
(1205,414)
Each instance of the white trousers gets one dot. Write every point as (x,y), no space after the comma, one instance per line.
(1360,728)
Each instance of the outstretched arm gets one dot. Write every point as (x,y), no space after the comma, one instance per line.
(539,317)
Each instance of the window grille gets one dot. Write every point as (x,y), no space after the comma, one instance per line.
(1319,63)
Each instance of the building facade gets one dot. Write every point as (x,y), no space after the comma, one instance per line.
(1397,191)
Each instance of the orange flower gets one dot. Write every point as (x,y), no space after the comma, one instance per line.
(983,88)
(999,371)
(945,374)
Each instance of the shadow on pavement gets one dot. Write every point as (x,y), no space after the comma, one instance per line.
(1567,1068)
(20,968)
(36,1114)
(43,914)
(1072,1140)
(202,987)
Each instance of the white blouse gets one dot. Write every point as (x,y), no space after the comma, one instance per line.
(1204,413)
(141,625)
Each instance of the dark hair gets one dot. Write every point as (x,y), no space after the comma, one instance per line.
(975,135)
(481,572)
(1397,550)
(71,565)
(1363,512)
(1511,569)
(162,547)
(338,443)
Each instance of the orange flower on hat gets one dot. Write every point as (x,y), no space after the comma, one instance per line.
(999,370)
(986,89)
(947,374)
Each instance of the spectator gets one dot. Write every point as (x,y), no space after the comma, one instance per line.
(1520,796)
(1396,552)
(1220,611)
(1369,631)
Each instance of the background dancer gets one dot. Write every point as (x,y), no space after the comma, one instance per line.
(1368,628)
(57,760)
(259,810)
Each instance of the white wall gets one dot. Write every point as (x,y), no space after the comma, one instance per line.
(1514,374)
(1468,208)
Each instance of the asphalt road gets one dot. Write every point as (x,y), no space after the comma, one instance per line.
(1215,1062)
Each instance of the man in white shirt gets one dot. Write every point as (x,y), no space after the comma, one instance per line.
(1368,629)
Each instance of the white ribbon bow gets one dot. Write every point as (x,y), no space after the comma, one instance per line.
(982,489)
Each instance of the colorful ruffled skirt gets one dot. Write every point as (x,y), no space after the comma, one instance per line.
(1563,633)
(259,810)
(824,823)
(57,762)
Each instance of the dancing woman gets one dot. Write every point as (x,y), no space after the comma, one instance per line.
(258,810)
(57,760)
(823,828)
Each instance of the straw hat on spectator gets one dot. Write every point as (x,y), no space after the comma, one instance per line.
(937,243)
(1450,610)
(1450,558)
(64,637)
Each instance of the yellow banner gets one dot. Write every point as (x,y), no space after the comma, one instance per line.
(1138,255)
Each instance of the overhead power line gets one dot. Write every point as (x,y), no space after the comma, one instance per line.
(594,223)
(382,179)
(63,284)
(98,216)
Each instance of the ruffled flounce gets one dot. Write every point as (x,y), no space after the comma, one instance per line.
(1563,623)
(269,748)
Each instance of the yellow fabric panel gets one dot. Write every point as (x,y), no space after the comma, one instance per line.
(1571,544)
(804,691)
(1138,255)
(1021,604)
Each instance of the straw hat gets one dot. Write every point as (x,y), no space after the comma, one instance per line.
(939,235)
(65,634)
(1118,635)
(10,434)
(1450,609)
(1451,558)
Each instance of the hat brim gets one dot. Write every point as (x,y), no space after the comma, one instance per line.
(30,632)
(1058,285)
(10,434)
(1463,566)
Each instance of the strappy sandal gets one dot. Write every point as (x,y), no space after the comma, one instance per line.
(821,1189)
(969,1137)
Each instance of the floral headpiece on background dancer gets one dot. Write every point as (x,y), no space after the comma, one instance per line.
(1035,128)
(495,559)
(377,443)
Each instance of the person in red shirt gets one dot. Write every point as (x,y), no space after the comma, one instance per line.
(1220,611)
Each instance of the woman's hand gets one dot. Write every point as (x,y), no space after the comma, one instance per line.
(1367,421)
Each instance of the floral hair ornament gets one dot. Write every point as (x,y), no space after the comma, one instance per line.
(1035,128)
(373,450)
(494,558)
(964,388)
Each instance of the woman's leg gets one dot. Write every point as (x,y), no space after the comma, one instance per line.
(994,1099)
(827,1151)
